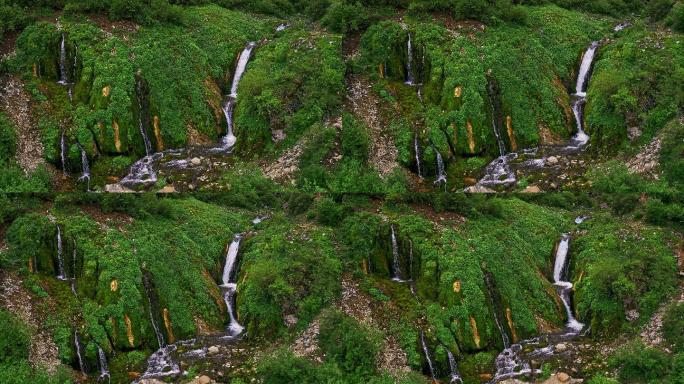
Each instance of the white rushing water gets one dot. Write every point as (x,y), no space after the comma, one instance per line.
(410,79)
(229,285)
(157,332)
(441,174)
(581,138)
(228,141)
(141,125)
(564,286)
(102,362)
(396,266)
(62,152)
(79,353)
(453,369)
(85,168)
(416,149)
(63,77)
(426,352)
(61,275)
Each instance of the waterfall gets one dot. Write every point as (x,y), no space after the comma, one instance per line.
(85,167)
(60,257)
(143,132)
(148,292)
(453,369)
(499,324)
(410,260)
(73,271)
(495,125)
(580,219)
(229,139)
(79,353)
(102,362)
(416,149)
(426,352)
(396,266)
(63,78)
(441,174)
(62,152)
(565,287)
(580,95)
(229,285)
(410,79)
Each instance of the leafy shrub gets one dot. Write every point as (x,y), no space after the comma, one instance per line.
(285,368)
(673,327)
(676,17)
(348,344)
(343,17)
(640,364)
(329,212)
(14,339)
(7,140)
(355,140)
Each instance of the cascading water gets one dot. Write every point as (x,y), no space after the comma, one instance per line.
(410,78)
(396,266)
(229,285)
(581,138)
(60,257)
(85,167)
(141,126)
(441,174)
(499,324)
(416,149)
(565,287)
(426,352)
(73,271)
(63,77)
(410,260)
(147,284)
(514,361)
(62,153)
(102,363)
(453,369)
(498,172)
(228,141)
(79,353)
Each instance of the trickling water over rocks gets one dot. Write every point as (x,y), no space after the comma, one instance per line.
(85,176)
(410,77)
(62,152)
(441,174)
(550,165)
(194,164)
(516,360)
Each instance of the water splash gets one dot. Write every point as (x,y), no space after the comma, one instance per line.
(580,219)
(229,286)
(228,141)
